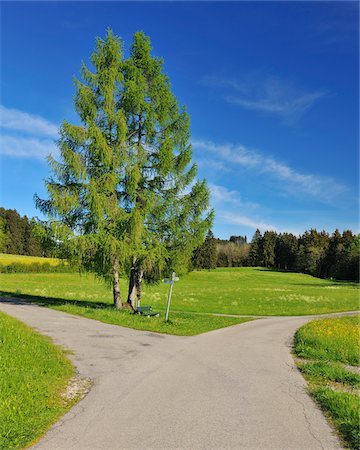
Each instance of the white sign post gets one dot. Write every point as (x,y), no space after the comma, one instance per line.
(171,282)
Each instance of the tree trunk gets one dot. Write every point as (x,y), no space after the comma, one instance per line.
(116,285)
(134,294)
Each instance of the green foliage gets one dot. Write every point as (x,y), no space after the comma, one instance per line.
(45,236)
(343,409)
(33,374)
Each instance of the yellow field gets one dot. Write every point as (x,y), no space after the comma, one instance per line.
(6,259)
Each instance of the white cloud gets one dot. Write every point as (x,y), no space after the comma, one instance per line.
(254,222)
(26,147)
(271,104)
(235,219)
(292,181)
(220,194)
(26,135)
(212,164)
(13,119)
(269,94)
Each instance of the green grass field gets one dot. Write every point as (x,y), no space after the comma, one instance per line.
(6,259)
(326,347)
(246,290)
(33,374)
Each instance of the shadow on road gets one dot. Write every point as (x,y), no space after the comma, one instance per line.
(51,301)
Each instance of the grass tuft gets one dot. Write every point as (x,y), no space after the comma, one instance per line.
(343,409)
(321,370)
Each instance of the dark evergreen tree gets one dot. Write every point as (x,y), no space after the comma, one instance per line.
(256,254)
(205,256)
(341,260)
(44,234)
(14,231)
(239,240)
(286,251)
(268,248)
(3,235)
(313,246)
(31,244)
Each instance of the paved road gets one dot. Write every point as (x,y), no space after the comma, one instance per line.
(232,388)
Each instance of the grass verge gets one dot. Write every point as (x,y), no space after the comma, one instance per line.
(180,324)
(331,344)
(33,376)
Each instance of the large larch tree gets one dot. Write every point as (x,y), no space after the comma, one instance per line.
(124,195)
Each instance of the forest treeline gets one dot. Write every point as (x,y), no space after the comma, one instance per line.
(317,253)
(22,236)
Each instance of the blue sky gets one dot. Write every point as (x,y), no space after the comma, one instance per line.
(271,89)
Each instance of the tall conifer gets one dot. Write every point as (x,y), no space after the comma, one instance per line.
(120,194)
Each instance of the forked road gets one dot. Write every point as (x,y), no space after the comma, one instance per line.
(231,388)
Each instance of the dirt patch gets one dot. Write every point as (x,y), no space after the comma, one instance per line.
(353,369)
(77,388)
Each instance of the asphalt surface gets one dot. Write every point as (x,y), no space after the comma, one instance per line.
(234,388)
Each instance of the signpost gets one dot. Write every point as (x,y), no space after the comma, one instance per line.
(171,282)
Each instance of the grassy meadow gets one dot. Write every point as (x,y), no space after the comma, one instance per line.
(326,349)
(242,291)
(245,290)
(33,376)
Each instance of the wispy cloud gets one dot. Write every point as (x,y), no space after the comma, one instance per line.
(235,219)
(212,164)
(292,181)
(255,222)
(220,195)
(228,203)
(14,119)
(26,147)
(25,135)
(268,94)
